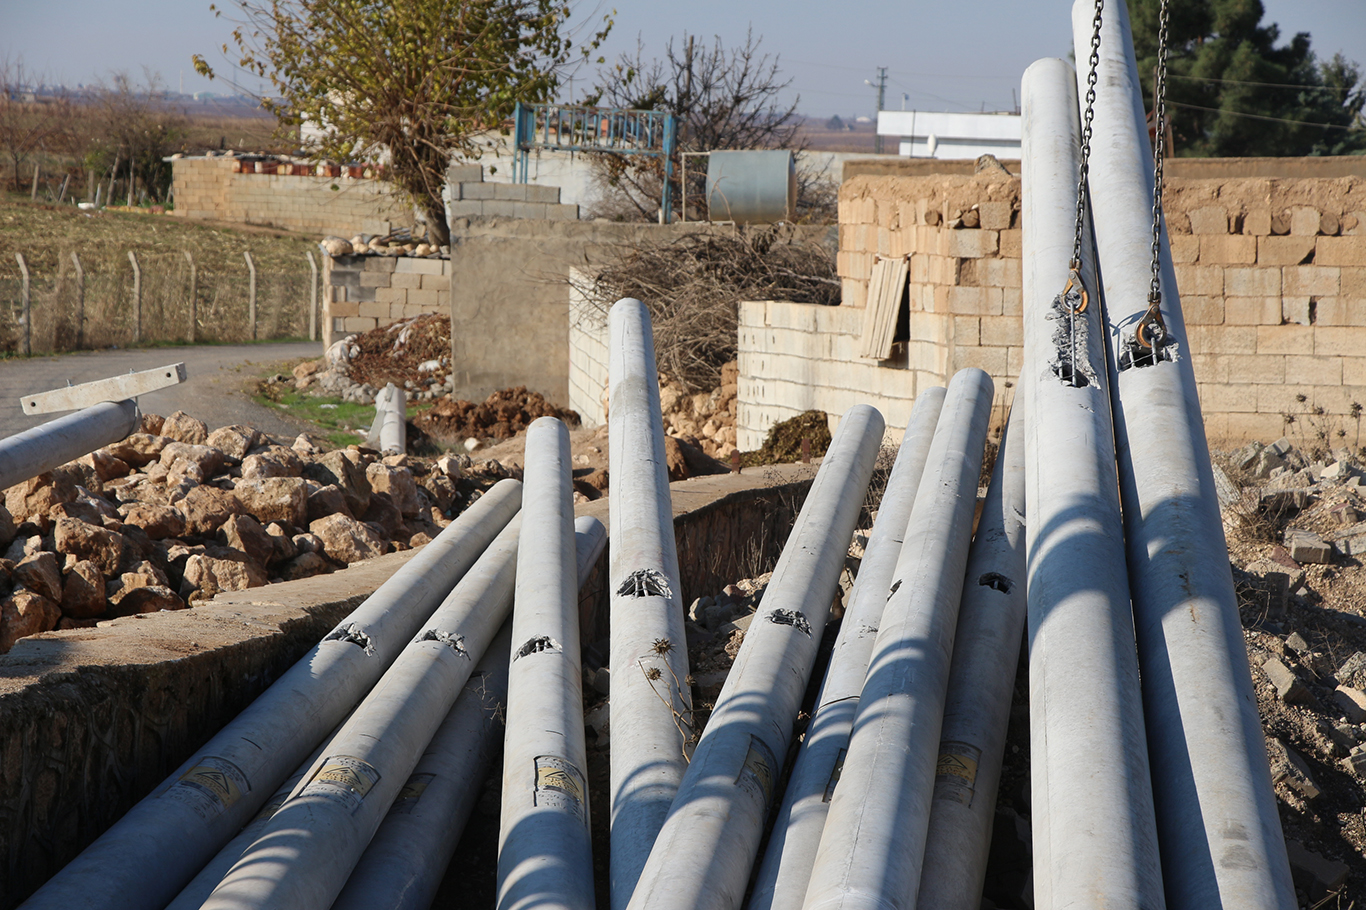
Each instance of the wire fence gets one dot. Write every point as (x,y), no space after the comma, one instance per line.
(114,299)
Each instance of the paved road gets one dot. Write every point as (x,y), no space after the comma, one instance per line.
(212,391)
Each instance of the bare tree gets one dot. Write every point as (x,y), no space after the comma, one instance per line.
(135,127)
(723,98)
(31,120)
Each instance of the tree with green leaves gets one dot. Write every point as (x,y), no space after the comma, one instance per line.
(1234,90)
(412,83)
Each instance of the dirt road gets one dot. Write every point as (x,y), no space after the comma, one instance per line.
(213,391)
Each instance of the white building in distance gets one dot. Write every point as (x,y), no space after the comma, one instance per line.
(934,134)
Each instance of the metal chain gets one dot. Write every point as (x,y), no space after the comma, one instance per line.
(1087,117)
(1151,328)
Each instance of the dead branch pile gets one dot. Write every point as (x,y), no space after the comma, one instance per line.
(693,286)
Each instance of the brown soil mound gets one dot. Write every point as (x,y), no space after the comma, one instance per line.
(503,414)
(392,353)
(784,442)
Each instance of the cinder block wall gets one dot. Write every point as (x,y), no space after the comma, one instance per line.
(207,189)
(589,336)
(1271,272)
(468,196)
(361,293)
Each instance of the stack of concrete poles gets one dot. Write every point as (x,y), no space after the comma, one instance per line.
(544,855)
(702,857)
(786,868)
(651,701)
(148,856)
(1217,822)
(873,843)
(1095,839)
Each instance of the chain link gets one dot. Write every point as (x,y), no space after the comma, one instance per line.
(1151,329)
(1087,117)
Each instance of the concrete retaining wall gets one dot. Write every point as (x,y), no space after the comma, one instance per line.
(1271,271)
(91,720)
(361,293)
(208,189)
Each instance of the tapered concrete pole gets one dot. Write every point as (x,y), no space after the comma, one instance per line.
(874,838)
(1095,839)
(304,854)
(786,868)
(406,860)
(651,718)
(991,621)
(544,856)
(1220,834)
(44,447)
(702,857)
(152,852)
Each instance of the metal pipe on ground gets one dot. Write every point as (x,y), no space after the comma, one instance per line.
(874,839)
(544,855)
(144,859)
(1095,840)
(406,860)
(1218,827)
(26,455)
(786,869)
(651,702)
(302,857)
(972,742)
(703,855)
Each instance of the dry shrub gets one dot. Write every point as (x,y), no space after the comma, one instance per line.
(693,286)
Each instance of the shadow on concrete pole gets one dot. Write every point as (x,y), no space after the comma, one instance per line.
(874,839)
(703,855)
(786,868)
(406,860)
(991,620)
(1220,835)
(143,861)
(651,717)
(545,858)
(1095,839)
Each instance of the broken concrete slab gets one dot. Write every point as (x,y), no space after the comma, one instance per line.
(1307,547)
(1290,768)
(1352,702)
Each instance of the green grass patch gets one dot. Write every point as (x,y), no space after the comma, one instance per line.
(336,419)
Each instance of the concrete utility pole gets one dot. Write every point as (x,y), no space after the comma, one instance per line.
(702,857)
(1218,826)
(881,86)
(786,867)
(145,858)
(873,844)
(651,700)
(1095,838)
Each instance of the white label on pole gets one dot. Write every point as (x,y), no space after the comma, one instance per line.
(210,787)
(343,779)
(559,785)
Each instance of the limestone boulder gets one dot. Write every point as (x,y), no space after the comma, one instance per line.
(206,575)
(282,499)
(145,574)
(35,498)
(234,441)
(334,468)
(205,508)
(207,459)
(398,483)
(8,528)
(41,575)
(105,465)
(138,449)
(305,565)
(83,595)
(307,543)
(152,423)
(439,488)
(281,539)
(103,547)
(328,500)
(150,599)
(181,427)
(384,516)
(158,521)
(242,532)
(347,540)
(25,613)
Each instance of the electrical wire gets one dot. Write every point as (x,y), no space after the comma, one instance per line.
(1217,110)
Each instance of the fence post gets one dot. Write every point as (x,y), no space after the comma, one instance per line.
(28,316)
(80,301)
(312,298)
(137,298)
(251,292)
(194,296)
(33,193)
(109,196)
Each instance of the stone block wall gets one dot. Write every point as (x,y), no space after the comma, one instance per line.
(1271,273)
(468,196)
(361,293)
(210,189)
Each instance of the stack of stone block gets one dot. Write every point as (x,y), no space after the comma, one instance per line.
(366,292)
(470,196)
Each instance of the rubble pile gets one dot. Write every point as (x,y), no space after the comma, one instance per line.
(705,420)
(502,415)
(175,513)
(1296,539)
(414,354)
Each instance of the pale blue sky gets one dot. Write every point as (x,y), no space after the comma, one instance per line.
(946,55)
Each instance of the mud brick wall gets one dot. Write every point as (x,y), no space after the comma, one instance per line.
(1271,273)
(361,293)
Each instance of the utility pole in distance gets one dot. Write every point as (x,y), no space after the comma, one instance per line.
(881,86)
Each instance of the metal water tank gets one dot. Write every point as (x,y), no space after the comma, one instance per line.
(751,187)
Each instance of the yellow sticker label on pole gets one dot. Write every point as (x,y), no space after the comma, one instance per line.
(955,773)
(560,785)
(344,779)
(210,787)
